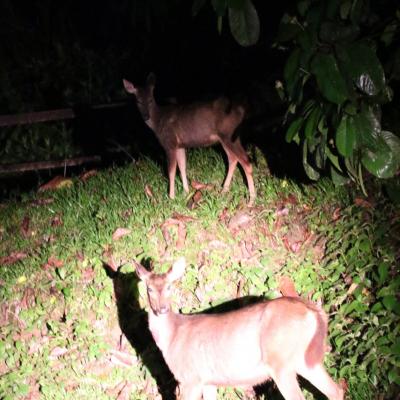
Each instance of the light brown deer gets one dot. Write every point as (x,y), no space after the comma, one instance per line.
(275,339)
(196,125)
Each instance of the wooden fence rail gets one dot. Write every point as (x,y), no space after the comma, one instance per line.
(50,115)
(45,116)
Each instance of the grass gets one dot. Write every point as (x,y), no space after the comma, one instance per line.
(73,328)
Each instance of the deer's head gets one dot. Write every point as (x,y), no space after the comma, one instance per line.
(159,286)
(144,95)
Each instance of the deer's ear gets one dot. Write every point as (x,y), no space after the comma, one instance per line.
(141,271)
(151,79)
(129,87)
(177,270)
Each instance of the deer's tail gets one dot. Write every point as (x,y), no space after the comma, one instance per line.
(316,348)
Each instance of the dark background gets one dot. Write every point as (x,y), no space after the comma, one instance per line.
(76,53)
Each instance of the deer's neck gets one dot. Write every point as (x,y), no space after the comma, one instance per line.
(154,114)
(162,327)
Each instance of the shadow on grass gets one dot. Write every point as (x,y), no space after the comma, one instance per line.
(134,325)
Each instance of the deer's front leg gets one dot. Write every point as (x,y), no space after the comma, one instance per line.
(181,158)
(172,160)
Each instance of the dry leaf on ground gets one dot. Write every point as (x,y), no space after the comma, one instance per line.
(13,258)
(84,176)
(119,233)
(57,182)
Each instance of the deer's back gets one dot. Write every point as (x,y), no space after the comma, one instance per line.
(198,124)
(236,348)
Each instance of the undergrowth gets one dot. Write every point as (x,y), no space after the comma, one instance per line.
(73,327)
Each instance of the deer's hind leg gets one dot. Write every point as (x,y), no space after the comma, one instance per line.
(209,393)
(181,159)
(190,392)
(318,376)
(172,162)
(236,153)
(286,380)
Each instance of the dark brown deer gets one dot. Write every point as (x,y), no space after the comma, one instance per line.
(197,125)
(275,339)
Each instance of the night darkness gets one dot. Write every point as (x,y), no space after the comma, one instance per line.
(75,54)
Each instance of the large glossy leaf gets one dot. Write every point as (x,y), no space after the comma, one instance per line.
(362,66)
(312,122)
(320,154)
(332,32)
(384,160)
(358,9)
(289,28)
(332,8)
(367,127)
(329,78)
(244,23)
(334,159)
(345,136)
(302,7)
(308,40)
(310,171)
(293,129)
(337,178)
(290,72)
(315,14)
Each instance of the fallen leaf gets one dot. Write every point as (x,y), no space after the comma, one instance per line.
(25,226)
(57,182)
(88,274)
(352,288)
(245,250)
(28,299)
(56,221)
(148,191)
(171,222)
(282,211)
(57,352)
(183,218)
(336,214)
(239,221)
(13,258)
(53,262)
(120,232)
(84,176)
(194,200)
(223,217)
(125,392)
(109,262)
(199,185)
(291,199)
(42,202)
(122,358)
(362,203)
(34,391)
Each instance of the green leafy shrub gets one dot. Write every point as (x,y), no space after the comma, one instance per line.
(243,18)
(335,84)
(361,283)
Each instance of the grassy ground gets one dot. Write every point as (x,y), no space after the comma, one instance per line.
(72,327)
